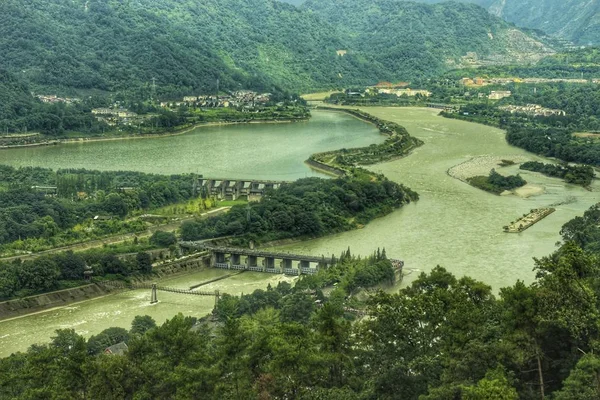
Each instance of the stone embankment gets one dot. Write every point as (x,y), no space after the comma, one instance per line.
(27,305)
(528,220)
(46,301)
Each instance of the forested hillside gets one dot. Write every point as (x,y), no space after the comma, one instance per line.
(576,20)
(185,45)
(418,40)
(257,44)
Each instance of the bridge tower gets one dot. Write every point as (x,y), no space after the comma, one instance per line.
(153,296)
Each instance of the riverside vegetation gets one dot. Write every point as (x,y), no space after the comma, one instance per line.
(21,112)
(578,175)
(309,207)
(496,183)
(550,136)
(85,205)
(32,221)
(398,144)
(442,337)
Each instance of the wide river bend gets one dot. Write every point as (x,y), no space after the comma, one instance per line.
(453,224)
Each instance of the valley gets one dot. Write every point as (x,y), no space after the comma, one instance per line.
(178,221)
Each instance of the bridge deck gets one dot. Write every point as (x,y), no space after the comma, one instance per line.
(256,253)
(122,285)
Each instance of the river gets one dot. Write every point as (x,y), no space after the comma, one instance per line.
(275,151)
(453,224)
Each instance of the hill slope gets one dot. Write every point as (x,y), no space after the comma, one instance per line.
(575,20)
(415,39)
(186,45)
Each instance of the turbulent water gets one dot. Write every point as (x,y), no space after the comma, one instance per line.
(453,224)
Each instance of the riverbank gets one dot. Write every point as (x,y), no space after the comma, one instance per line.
(450,216)
(339,162)
(52,300)
(43,302)
(177,132)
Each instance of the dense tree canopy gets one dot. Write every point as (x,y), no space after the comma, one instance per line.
(309,207)
(442,337)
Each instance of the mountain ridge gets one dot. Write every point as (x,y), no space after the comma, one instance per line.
(188,46)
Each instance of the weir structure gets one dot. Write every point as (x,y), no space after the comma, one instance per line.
(233,189)
(259,260)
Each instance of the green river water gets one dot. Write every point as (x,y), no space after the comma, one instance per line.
(453,224)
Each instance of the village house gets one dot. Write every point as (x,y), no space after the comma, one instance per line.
(55,99)
(411,92)
(126,114)
(118,349)
(240,98)
(500,94)
(102,111)
(533,109)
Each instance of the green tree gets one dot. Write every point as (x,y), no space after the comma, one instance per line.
(163,239)
(141,324)
(495,386)
(144,262)
(583,382)
(108,337)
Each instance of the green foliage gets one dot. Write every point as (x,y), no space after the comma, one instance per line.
(33,221)
(583,382)
(569,19)
(163,239)
(574,64)
(142,324)
(66,269)
(550,136)
(439,338)
(260,44)
(416,41)
(185,45)
(108,337)
(496,183)
(584,231)
(398,144)
(144,262)
(308,207)
(495,386)
(579,175)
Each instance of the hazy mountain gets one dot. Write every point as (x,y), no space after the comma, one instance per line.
(186,45)
(414,39)
(576,20)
